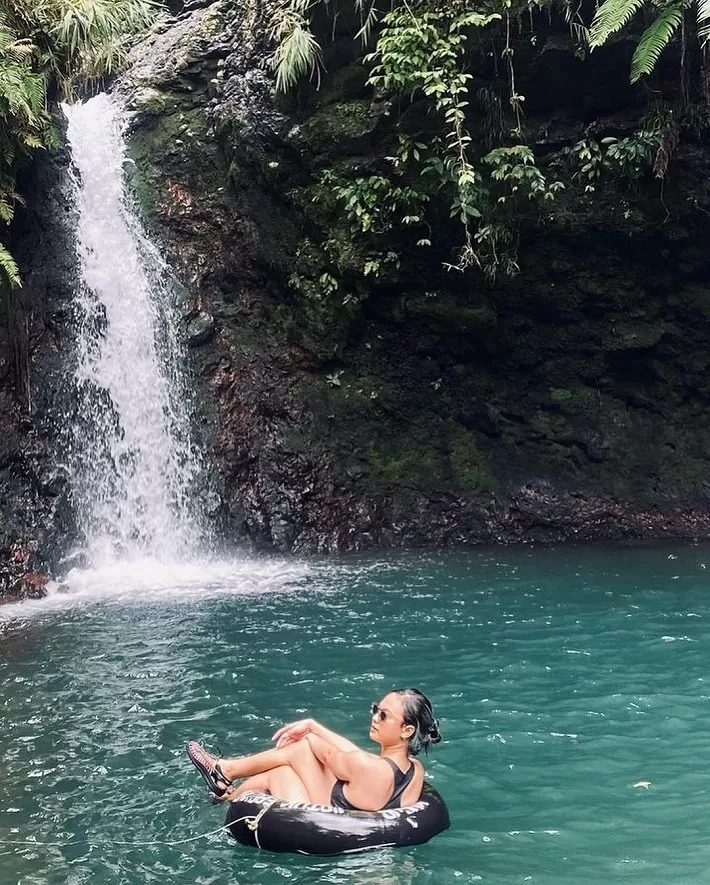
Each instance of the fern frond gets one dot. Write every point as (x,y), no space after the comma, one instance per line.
(611,17)
(9,268)
(32,140)
(22,92)
(580,33)
(7,208)
(654,40)
(703,13)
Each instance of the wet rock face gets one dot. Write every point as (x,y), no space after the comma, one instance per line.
(200,329)
(570,403)
(36,525)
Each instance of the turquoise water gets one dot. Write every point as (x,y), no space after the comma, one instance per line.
(562,678)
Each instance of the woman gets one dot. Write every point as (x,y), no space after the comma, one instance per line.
(313,764)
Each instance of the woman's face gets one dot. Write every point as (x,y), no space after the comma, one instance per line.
(387,722)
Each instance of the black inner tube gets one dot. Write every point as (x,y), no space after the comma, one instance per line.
(260,820)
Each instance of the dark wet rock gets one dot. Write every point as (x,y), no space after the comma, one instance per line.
(570,403)
(200,329)
(36,525)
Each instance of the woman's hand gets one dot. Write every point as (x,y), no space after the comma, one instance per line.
(294,731)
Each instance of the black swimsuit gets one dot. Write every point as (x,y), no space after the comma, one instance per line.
(402,779)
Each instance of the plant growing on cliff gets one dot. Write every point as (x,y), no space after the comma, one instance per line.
(422,52)
(297,51)
(48,49)
(668,22)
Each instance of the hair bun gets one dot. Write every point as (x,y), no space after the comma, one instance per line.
(434,733)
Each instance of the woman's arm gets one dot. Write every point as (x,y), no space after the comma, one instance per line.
(333,738)
(367,776)
(295,731)
(344,763)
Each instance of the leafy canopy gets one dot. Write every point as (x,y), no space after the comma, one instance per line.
(50,47)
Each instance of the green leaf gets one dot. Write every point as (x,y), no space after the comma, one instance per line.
(611,17)
(703,21)
(654,40)
(9,268)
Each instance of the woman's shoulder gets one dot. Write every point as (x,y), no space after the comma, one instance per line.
(418,767)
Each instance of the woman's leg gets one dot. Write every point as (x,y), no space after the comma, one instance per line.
(316,778)
(281,783)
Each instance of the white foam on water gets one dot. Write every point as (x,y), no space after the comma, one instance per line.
(151,581)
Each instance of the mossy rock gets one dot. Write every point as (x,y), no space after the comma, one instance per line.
(446,316)
(471,469)
(637,336)
(406,463)
(450,458)
(689,474)
(341,125)
(578,401)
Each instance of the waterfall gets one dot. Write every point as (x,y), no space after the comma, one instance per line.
(133,466)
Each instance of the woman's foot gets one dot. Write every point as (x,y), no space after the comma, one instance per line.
(209,767)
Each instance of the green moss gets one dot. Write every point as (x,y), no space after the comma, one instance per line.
(447,314)
(142,192)
(634,336)
(689,473)
(335,123)
(471,469)
(550,425)
(149,100)
(405,462)
(576,401)
(450,460)
(153,147)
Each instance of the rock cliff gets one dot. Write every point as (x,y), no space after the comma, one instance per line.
(36,523)
(569,402)
(415,406)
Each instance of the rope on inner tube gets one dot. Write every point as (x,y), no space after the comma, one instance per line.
(253,822)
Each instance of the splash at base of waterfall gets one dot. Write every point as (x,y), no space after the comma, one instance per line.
(134,468)
(146,581)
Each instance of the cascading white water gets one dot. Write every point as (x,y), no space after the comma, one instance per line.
(133,466)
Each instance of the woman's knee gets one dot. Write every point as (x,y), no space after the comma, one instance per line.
(302,751)
(285,784)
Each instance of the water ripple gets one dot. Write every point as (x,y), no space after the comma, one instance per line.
(574,729)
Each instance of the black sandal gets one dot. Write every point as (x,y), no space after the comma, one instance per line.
(209,768)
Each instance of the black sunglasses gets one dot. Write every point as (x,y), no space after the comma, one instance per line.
(375,711)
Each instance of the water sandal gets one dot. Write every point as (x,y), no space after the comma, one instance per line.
(209,768)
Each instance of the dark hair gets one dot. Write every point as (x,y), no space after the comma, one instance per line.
(416,711)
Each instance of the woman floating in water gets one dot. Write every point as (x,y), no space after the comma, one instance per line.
(312,764)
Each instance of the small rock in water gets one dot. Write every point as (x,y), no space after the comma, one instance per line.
(200,329)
